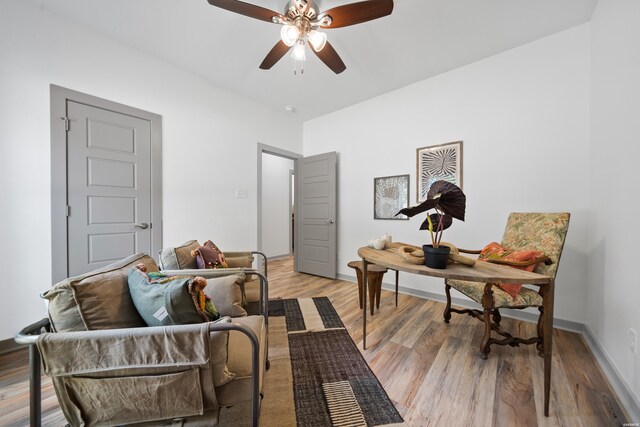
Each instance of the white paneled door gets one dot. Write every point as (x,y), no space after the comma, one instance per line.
(108,186)
(316,248)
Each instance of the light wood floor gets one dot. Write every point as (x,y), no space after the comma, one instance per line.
(435,376)
(432,371)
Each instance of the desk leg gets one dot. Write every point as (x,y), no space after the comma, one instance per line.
(548,340)
(365,277)
(397,277)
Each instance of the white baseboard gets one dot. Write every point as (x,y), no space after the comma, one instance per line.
(566,325)
(622,389)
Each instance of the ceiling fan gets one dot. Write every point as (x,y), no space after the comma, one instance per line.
(301,23)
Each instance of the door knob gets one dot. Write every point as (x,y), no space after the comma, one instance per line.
(330,221)
(142,225)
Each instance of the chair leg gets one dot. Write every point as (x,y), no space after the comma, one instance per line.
(447,310)
(540,344)
(485,348)
(497,317)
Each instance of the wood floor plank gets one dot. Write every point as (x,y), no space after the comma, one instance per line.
(388,364)
(595,399)
(436,399)
(432,371)
(563,408)
(414,327)
(514,402)
(406,382)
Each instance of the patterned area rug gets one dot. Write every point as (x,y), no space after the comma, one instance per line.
(317,376)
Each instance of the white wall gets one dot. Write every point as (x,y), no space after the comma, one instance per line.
(210,141)
(276,221)
(524,118)
(613,285)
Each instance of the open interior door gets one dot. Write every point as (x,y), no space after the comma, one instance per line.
(316,242)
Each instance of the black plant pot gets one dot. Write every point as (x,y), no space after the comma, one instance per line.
(436,257)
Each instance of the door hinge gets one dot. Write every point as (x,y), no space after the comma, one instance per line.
(68,211)
(66,123)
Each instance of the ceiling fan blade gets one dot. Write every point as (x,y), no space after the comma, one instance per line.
(357,13)
(330,57)
(274,55)
(245,9)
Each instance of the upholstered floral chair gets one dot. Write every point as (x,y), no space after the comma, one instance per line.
(542,232)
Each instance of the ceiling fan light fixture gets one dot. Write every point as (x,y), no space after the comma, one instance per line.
(317,39)
(299,53)
(289,34)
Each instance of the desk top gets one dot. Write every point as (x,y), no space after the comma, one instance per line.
(484,272)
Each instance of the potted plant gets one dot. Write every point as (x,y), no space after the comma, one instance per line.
(449,202)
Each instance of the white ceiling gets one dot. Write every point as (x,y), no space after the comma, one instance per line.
(420,39)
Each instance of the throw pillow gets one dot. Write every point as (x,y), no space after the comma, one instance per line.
(496,251)
(179,257)
(96,300)
(170,300)
(209,256)
(228,294)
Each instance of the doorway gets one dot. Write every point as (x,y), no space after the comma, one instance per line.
(313,217)
(106,182)
(276,198)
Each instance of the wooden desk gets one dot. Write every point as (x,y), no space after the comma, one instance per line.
(483,272)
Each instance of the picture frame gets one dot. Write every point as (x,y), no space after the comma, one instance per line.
(435,163)
(390,194)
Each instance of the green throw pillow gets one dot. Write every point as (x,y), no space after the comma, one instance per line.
(170,300)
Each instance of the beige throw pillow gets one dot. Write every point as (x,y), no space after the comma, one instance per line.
(227,293)
(99,299)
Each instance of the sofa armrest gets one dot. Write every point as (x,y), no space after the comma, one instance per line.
(207,273)
(31,335)
(239,259)
(238,254)
(148,348)
(234,258)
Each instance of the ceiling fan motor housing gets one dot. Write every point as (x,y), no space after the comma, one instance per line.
(299,8)
(301,15)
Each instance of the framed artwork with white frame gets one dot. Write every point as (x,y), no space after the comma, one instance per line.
(438,163)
